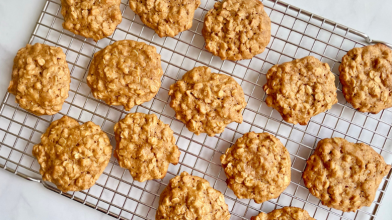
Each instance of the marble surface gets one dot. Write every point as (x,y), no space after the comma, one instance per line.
(21,199)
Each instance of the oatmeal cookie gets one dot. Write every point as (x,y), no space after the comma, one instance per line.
(145,146)
(91,18)
(366,77)
(237,29)
(125,73)
(166,17)
(300,89)
(257,167)
(40,79)
(285,213)
(207,102)
(344,175)
(72,156)
(191,197)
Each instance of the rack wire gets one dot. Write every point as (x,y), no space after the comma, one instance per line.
(295,33)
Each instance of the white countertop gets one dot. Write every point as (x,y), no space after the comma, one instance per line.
(21,199)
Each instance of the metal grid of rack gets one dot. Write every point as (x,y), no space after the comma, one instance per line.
(295,33)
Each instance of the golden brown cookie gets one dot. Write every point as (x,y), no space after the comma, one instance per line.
(366,77)
(40,79)
(145,146)
(237,29)
(207,102)
(72,156)
(257,167)
(285,213)
(300,89)
(191,197)
(91,18)
(126,73)
(166,17)
(344,175)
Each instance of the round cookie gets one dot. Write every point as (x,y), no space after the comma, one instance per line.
(285,213)
(72,156)
(40,79)
(166,17)
(207,102)
(91,19)
(237,29)
(344,175)
(300,89)
(366,77)
(126,73)
(257,167)
(191,197)
(145,146)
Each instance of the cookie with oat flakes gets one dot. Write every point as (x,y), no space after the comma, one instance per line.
(126,73)
(300,89)
(257,167)
(344,175)
(285,213)
(72,156)
(145,146)
(207,102)
(40,79)
(366,77)
(166,17)
(91,18)
(191,197)
(237,29)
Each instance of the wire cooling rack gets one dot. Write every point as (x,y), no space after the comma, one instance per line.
(295,33)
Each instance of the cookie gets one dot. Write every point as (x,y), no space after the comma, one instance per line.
(237,29)
(126,73)
(72,156)
(40,79)
(300,89)
(166,17)
(91,18)
(257,167)
(366,77)
(191,197)
(145,146)
(344,175)
(285,213)
(207,102)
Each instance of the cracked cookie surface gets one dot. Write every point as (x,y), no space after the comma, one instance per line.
(257,167)
(91,18)
(72,156)
(191,197)
(207,102)
(300,89)
(166,17)
(126,73)
(366,77)
(40,79)
(285,213)
(145,146)
(344,175)
(237,29)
